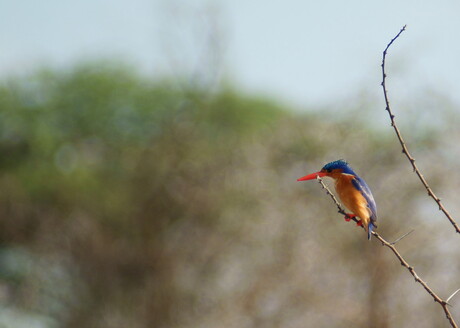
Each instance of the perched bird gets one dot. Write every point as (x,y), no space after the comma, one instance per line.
(353,192)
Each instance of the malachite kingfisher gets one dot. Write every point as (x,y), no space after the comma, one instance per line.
(353,192)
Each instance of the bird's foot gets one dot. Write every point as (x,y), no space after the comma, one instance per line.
(349,217)
(359,223)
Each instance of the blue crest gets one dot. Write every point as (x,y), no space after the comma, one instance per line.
(339,164)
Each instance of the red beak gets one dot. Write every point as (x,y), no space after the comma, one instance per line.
(312,176)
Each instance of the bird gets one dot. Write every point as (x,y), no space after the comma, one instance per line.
(353,191)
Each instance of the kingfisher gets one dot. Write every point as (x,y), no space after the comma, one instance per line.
(353,192)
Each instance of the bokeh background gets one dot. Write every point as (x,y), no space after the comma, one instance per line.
(149,154)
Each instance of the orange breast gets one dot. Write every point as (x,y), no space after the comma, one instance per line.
(351,197)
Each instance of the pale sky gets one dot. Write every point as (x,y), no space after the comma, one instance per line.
(307,53)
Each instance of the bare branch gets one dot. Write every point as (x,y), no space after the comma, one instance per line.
(405,150)
(400,258)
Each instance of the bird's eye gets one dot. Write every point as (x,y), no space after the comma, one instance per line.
(329,170)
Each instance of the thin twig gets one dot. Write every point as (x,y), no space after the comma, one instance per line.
(400,258)
(405,150)
(453,294)
(341,210)
(406,234)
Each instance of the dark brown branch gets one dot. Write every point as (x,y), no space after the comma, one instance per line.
(404,263)
(405,150)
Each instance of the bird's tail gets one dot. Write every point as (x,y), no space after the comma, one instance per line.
(370,228)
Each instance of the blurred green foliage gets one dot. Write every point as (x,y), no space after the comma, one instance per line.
(88,130)
(128,202)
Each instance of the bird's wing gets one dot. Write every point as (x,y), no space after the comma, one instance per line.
(363,188)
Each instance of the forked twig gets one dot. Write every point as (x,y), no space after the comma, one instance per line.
(404,263)
(405,150)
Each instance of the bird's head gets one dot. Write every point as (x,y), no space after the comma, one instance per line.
(333,170)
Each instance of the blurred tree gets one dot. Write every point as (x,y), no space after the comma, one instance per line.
(127,202)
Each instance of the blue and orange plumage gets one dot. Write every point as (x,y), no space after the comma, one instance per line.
(352,191)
